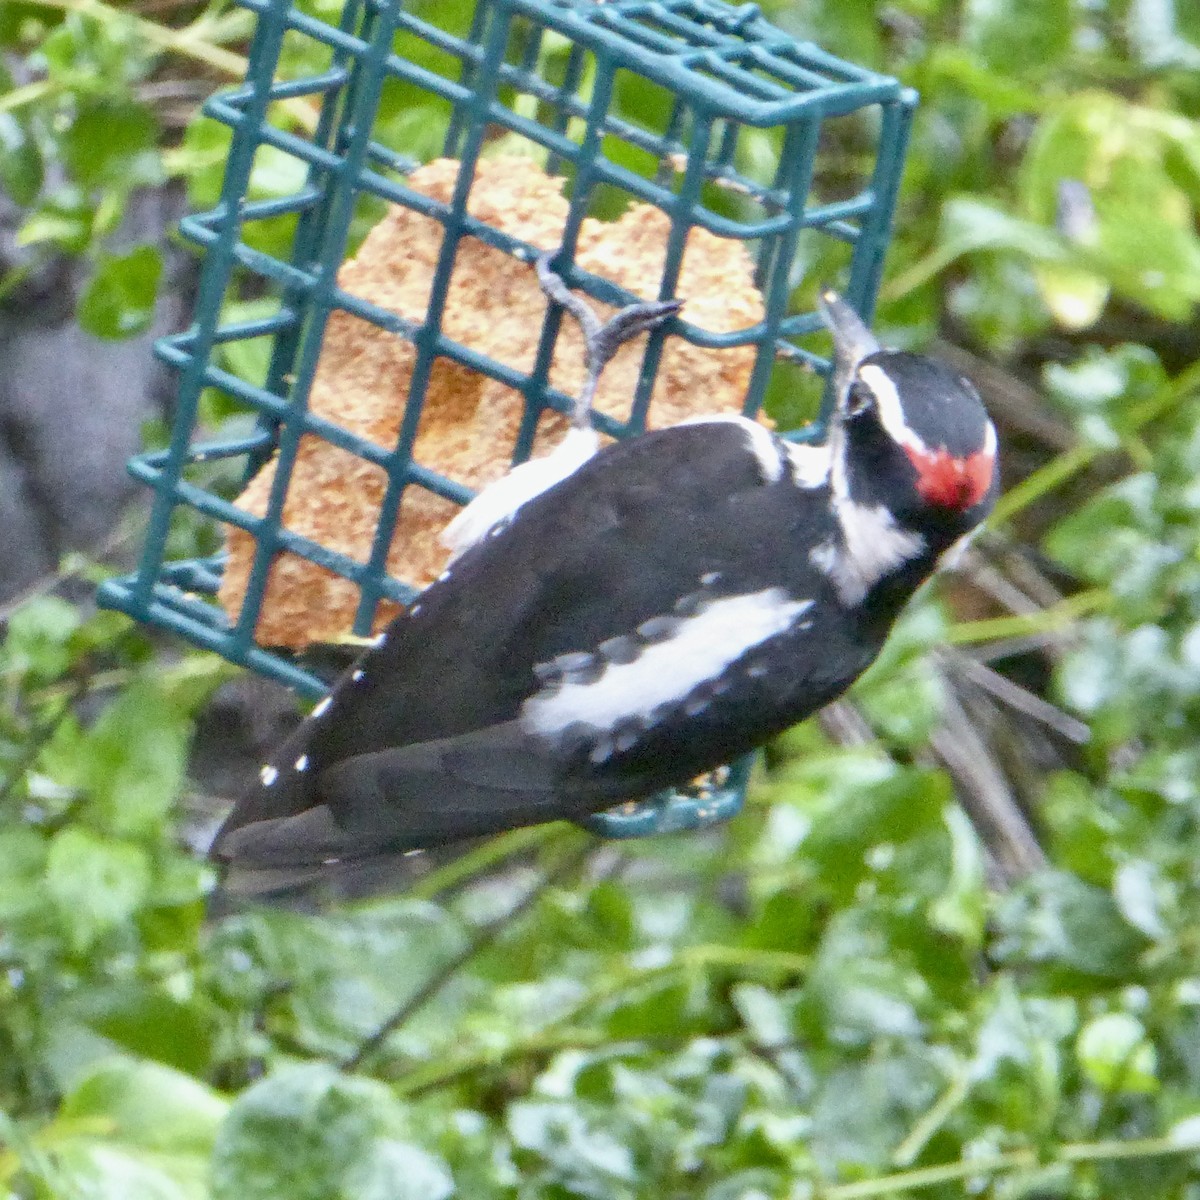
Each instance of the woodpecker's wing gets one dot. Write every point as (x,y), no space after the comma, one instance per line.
(421,741)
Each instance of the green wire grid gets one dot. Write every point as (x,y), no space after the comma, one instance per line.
(728,74)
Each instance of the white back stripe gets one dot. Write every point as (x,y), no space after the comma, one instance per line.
(810,463)
(666,672)
(500,500)
(760,442)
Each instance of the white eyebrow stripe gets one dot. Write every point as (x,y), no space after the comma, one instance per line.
(666,672)
(887,403)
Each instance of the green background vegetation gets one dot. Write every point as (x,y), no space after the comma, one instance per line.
(839,995)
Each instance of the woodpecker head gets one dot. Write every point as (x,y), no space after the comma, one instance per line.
(907,433)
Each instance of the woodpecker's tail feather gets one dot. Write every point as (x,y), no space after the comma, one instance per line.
(370,810)
(312,888)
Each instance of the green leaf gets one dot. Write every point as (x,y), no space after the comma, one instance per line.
(22,22)
(111,142)
(119,299)
(1143,239)
(39,637)
(130,1131)
(135,759)
(150,1023)
(1115,1054)
(970,225)
(863,1109)
(308,1133)
(859,989)
(399,1171)
(21,169)
(1003,32)
(346,974)
(962,908)
(64,220)
(1058,919)
(561,1135)
(148,1105)
(95,883)
(22,863)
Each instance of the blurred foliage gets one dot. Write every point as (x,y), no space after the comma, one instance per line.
(825,999)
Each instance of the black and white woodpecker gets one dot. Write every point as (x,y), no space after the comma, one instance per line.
(618,621)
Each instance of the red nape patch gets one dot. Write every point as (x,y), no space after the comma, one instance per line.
(949,482)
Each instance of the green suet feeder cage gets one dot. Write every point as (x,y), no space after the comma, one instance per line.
(725,84)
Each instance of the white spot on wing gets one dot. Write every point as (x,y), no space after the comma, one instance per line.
(357,674)
(322,708)
(760,441)
(667,672)
(268,775)
(499,501)
(302,763)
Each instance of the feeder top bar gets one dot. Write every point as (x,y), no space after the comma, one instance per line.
(729,59)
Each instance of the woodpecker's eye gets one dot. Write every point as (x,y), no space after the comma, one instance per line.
(860,400)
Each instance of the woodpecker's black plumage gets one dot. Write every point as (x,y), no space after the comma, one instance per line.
(673,602)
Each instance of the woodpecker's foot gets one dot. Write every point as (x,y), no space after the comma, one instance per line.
(601,339)
(671,812)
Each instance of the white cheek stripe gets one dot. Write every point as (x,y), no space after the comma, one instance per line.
(891,412)
(873,546)
(666,672)
(500,500)
(760,441)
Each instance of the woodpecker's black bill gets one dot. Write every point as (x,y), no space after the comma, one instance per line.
(852,340)
(626,619)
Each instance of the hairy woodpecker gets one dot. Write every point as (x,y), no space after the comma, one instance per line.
(620,620)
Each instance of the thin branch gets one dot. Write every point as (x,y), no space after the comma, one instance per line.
(842,722)
(39,739)
(995,584)
(1017,697)
(985,795)
(1046,621)
(562,1031)
(1065,1154)
(74,564)
(486,936)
